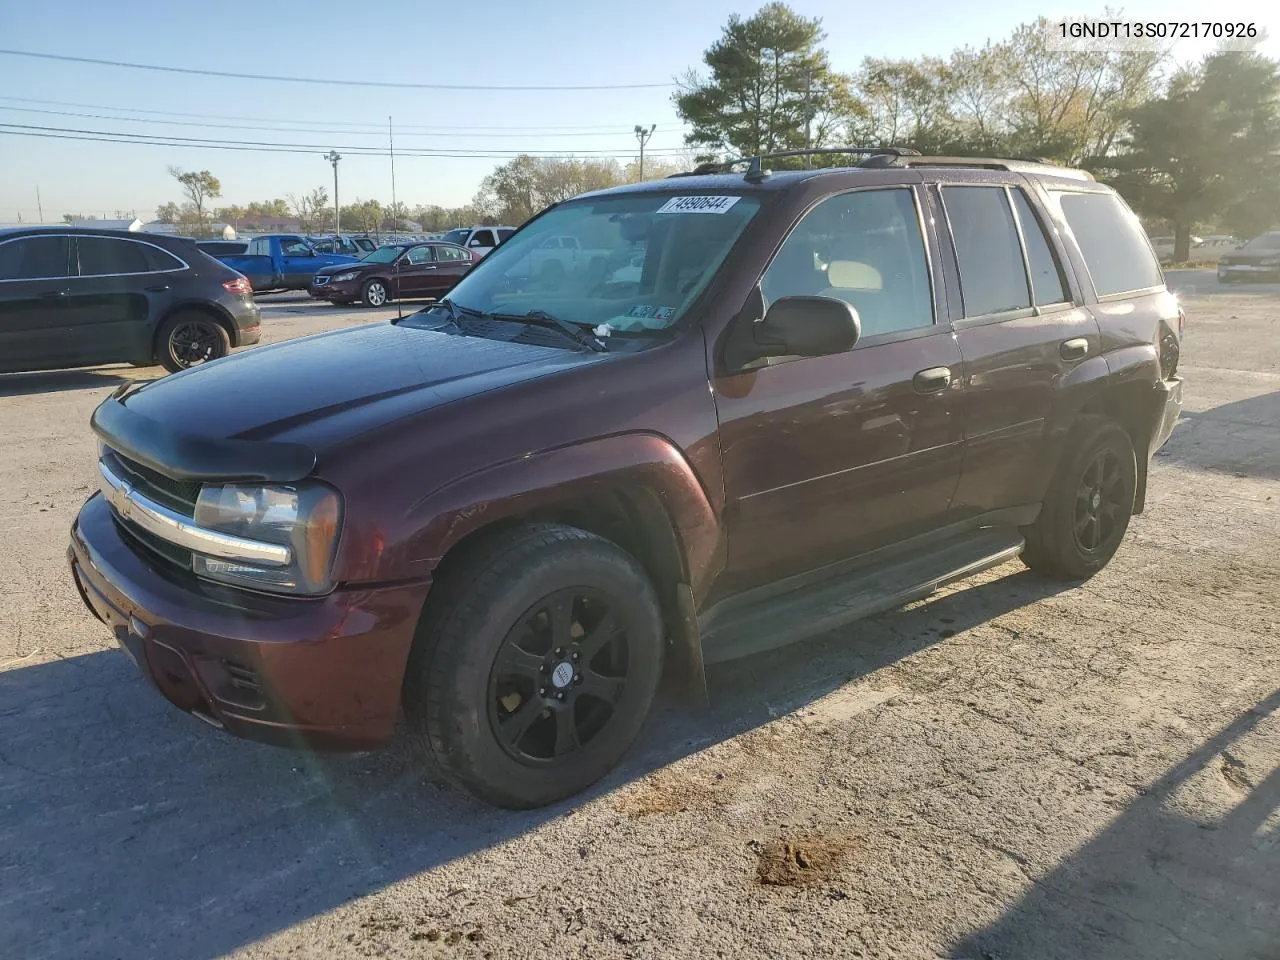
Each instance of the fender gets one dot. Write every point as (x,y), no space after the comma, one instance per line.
(448,514)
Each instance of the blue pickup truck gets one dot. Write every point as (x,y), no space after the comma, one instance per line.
(281,261)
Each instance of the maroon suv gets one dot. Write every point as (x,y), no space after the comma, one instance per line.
(755,408)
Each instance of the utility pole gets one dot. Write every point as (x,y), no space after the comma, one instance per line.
(643,136)
(39,205)
(333,156)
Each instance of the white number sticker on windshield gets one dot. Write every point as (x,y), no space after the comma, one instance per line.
(700,204)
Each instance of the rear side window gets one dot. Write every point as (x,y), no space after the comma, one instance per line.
(483,238)
(503,234)
(450,254)
(1046,278)
(1112,242)
(992,276)
(104,257)
(34,258)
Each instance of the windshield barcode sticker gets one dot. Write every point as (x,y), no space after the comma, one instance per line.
(700,204)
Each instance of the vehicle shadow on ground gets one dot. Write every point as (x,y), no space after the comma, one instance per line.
(130,829)
(1240,438)
(56,381)
(1157,884)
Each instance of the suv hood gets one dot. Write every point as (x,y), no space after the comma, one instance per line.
(318,391)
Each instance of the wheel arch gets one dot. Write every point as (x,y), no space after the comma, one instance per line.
(211,310)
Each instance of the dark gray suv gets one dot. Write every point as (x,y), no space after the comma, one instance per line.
(76,298)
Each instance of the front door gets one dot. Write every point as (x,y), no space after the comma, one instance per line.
(1020,332)
(829,457)
(33,302)
(415,274)
(298,262)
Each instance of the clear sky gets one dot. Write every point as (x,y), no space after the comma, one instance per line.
(493,42)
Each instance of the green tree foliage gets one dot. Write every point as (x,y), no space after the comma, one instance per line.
(199,187)
(363,216)
(518,189)
(267,208)
(1208,149)
(768,78)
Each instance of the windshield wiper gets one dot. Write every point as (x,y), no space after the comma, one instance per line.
(543,319)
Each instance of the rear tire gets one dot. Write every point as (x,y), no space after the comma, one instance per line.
(1090,501)
(189,338)
(535,664)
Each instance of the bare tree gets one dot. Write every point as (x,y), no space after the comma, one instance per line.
(198,187)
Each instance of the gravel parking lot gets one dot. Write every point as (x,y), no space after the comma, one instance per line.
(1011,769)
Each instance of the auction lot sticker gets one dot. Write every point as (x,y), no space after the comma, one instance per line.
(701,204)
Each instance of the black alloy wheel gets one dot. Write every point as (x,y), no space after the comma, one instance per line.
(190,339)
(1100,504)
(558,676)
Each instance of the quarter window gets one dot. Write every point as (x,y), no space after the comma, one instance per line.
(1046,278)
(104,257)
(34,258)
(864,248)
(993,278)
(1112,243)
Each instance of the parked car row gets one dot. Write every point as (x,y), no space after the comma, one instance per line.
(741,411)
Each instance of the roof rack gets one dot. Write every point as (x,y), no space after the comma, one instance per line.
(755,164)
(1011,164)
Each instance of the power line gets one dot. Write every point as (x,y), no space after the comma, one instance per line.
(275,121)
(264,146)
(317,130)
(63,58)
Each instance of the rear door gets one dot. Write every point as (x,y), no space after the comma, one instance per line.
(1021,330)
(452,264)
(33,301)
(111,297)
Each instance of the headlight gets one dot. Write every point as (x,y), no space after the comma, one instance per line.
(349,275)
(305,518)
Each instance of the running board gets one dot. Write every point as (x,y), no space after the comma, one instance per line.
(739,627)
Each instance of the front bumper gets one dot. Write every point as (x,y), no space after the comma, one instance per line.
(346,292)
(1243,271)
(321,672)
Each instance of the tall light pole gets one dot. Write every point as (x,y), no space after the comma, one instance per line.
(643,136)
(333,156)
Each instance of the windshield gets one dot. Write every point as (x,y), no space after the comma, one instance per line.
(1268,241)
(632,262)
(383,255)
(456,236)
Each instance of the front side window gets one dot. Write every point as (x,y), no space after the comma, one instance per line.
(322,246)
(34,258)
(1111,240)
(865,248)
(644,259)
(483,238)
(420,255)
(104,256)
(295,248)
(993,278)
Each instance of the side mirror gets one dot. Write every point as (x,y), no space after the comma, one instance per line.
(807,327)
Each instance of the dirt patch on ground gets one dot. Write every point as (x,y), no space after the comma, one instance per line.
(804,861)
(667,793)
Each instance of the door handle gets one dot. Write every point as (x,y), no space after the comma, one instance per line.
(54,295)
(932,380)
(430,268)
(1076,349)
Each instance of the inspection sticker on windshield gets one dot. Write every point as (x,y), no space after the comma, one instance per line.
(700,204)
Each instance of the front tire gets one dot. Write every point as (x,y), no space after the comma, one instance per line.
(535,665)
(189,338)
(375,294)
(1090,501)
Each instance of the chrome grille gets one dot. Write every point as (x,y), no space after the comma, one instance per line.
(179,494)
